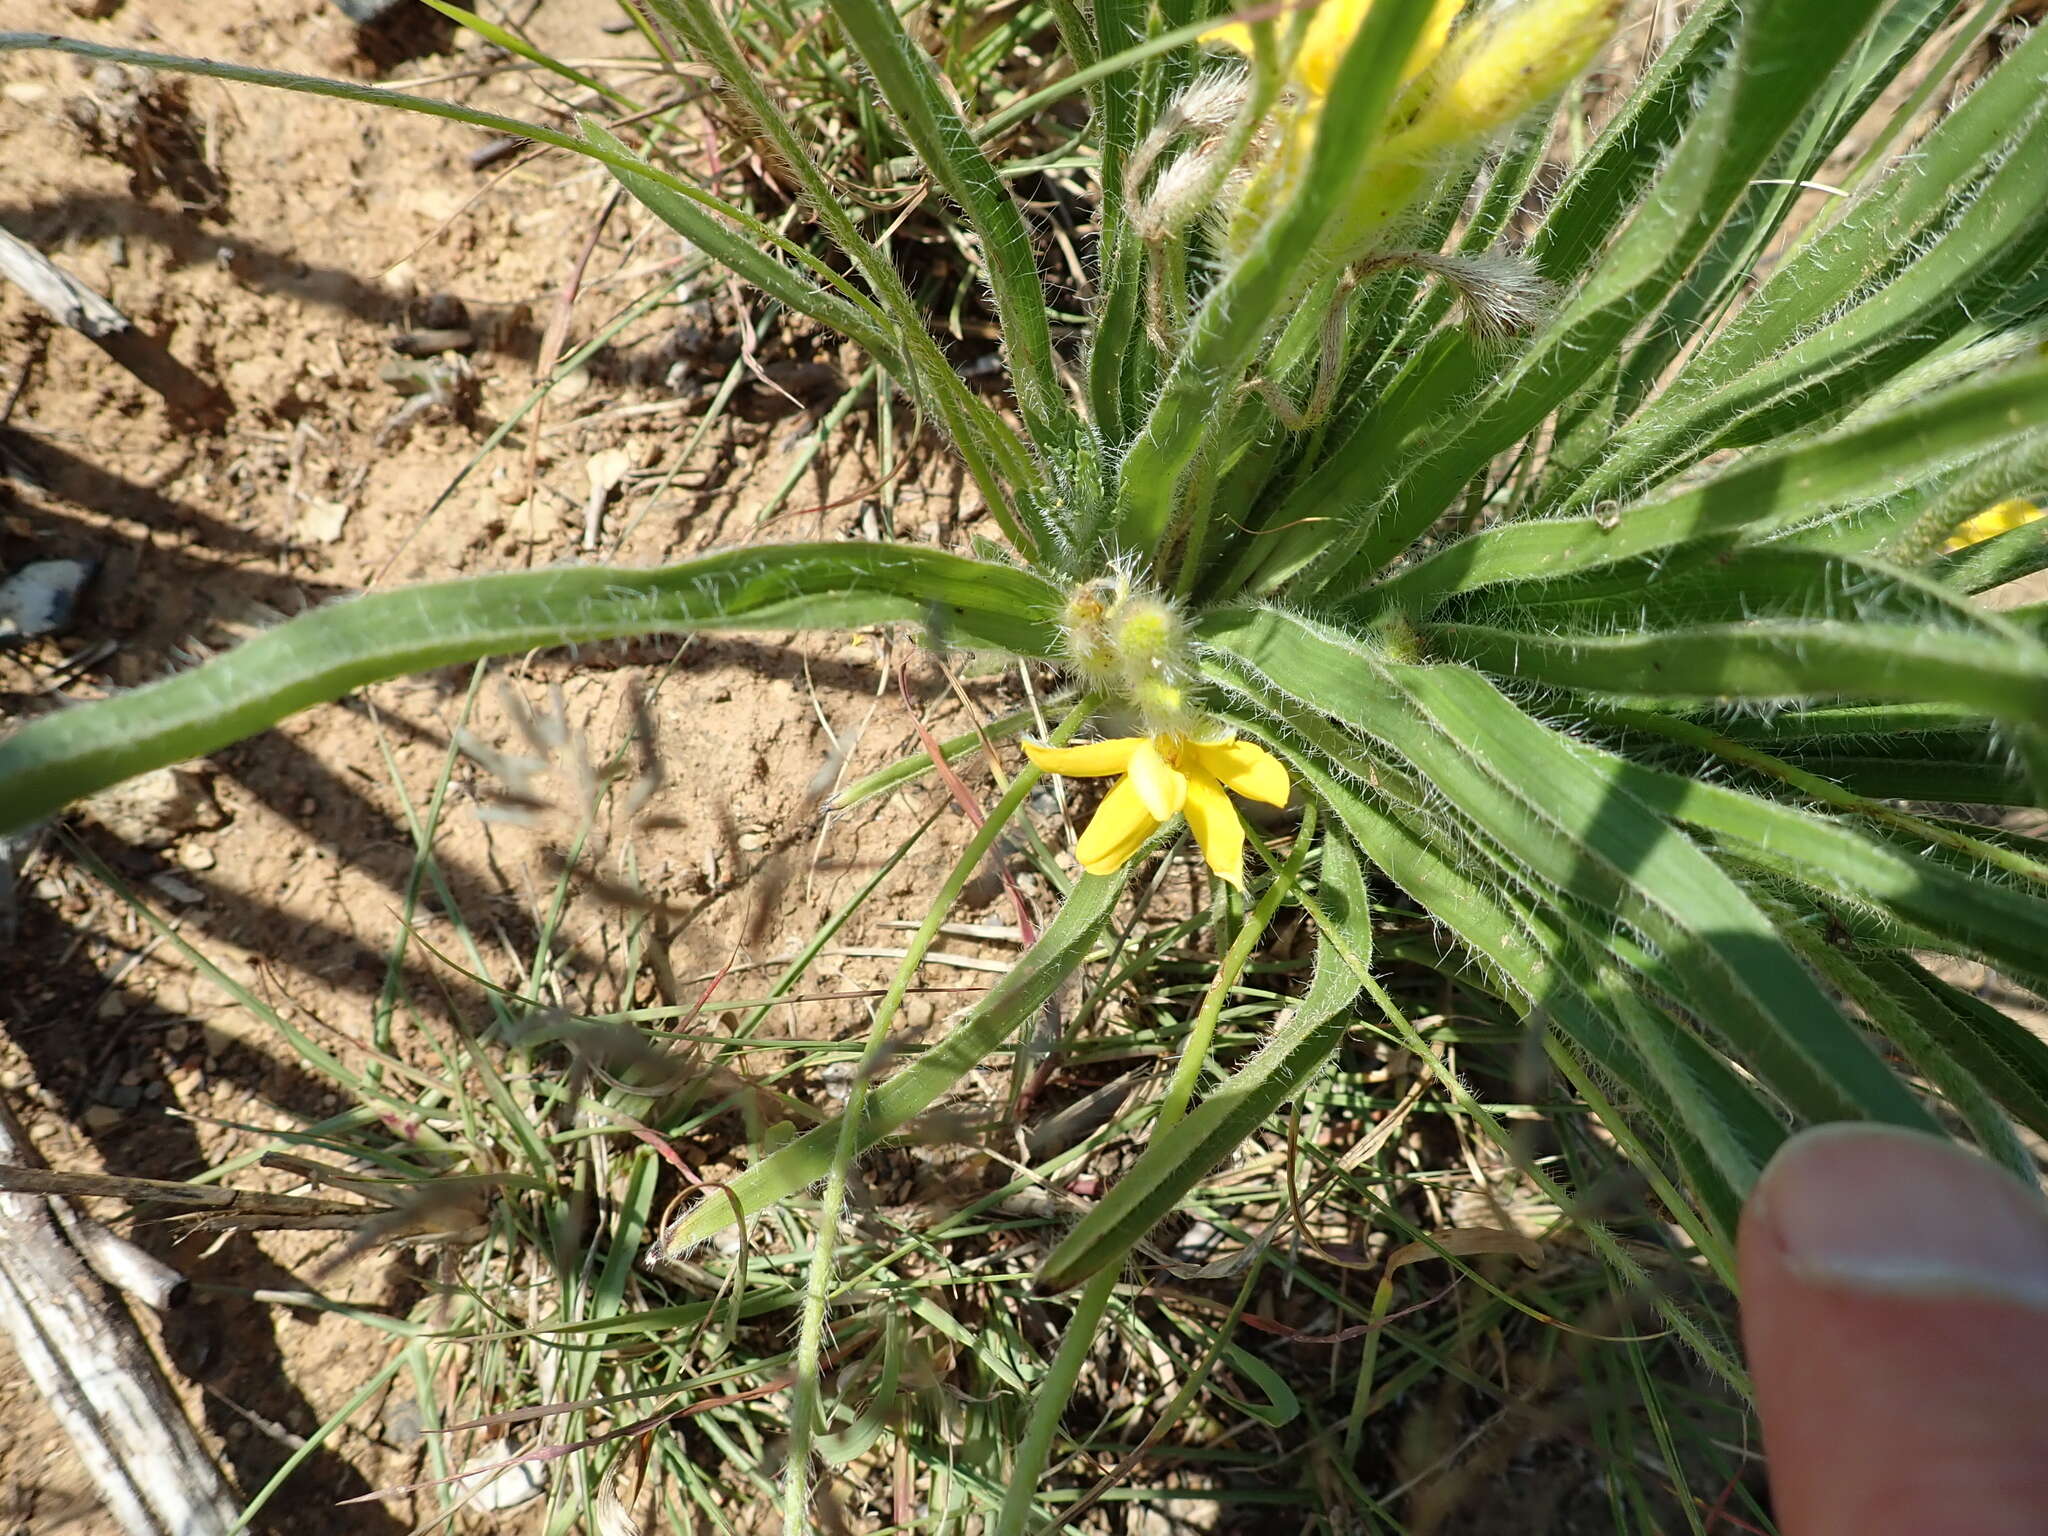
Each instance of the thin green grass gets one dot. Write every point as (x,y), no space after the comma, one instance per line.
(938,1340)
(1412,1206)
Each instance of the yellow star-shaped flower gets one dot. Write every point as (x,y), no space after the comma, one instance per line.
(1164,777)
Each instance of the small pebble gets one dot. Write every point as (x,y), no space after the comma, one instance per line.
(444,312)
(39,597)
(180,891)
(196,856)
(432,343)
(101,1117)
(512,1487)
(402,1421)
(150,811)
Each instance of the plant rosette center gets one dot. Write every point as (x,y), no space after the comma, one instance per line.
(1161,777)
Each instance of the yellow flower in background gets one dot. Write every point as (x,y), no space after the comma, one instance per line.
(1462,84)
(1164,777)
(1329,33)
(1514,57)
(1991,522)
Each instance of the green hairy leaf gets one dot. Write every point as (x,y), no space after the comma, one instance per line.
(332,651)
(1613,501)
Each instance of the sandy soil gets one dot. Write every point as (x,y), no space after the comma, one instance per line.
(284,248)
(280,245)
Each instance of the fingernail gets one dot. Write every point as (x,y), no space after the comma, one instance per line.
(1876,1208)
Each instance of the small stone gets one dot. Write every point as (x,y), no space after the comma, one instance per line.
(153,810)
(402,1421)
(131,1079)
(509,1489)
(432,343)
(196,856)
(124,1095)
(112,1006)
(322,520)
(177,1037)
(181,891)
(753,842)
(101,1117)
(364,12)
(444,312)
(39,598)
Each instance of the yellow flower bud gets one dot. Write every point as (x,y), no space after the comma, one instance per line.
(1496,70)
(1162,705)
(1084,624)
(1147,634)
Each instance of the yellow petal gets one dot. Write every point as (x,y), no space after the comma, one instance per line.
(1991,522)
(1232,34)
(1119,830)
(1435,32)
(1328,34)
(1163,787)
(1213,820)
(1515,57)
(1244,766)
(1090,760)
(1336,23)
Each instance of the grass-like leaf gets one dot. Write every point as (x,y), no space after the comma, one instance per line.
(2003,675)
(1761,494)
(1574,826)
(331,651)
(1182,1156)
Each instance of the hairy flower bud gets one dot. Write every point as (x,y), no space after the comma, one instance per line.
(1508,61)
(1133,646)
(1147,634)
(1084,625)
